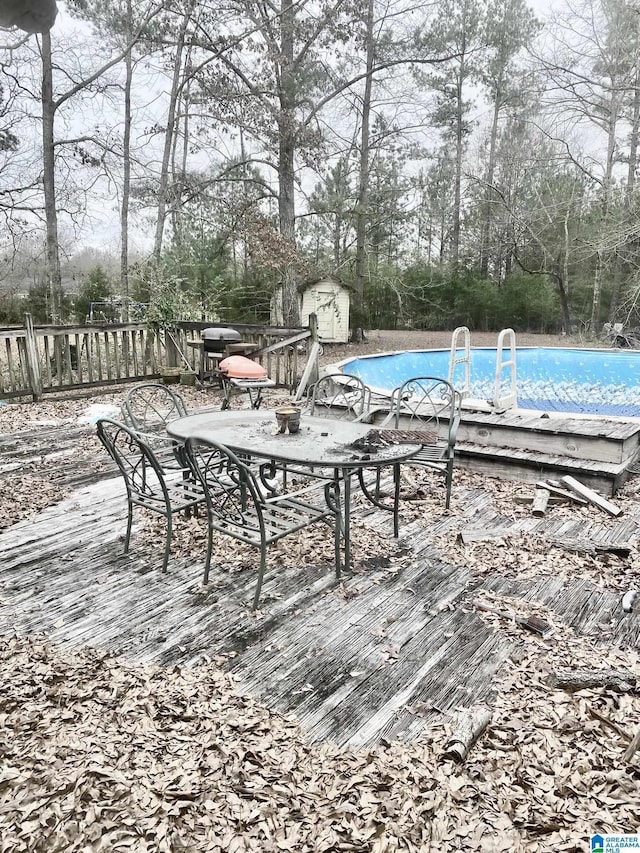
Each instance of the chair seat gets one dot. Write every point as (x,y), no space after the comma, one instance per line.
(279,519)
(182,495)
(430,407)
(432,453)
(168,451)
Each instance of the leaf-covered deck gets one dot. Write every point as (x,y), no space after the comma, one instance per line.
(376,657)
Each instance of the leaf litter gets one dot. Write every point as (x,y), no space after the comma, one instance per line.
(100,754)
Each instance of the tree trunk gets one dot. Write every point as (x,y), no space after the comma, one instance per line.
(633,138)
(564,304)
(614,109)
(54,282)
(180,154)
(245,207)
(621,265)
(457,186)
(363,178)
(163,185)
(594,322)
(286,163)
(487,211)
(287,221)
(126,174)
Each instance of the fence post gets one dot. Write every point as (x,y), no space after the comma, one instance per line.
(170,349)
(33,361)
(313,352)
(313,328)
(310,373)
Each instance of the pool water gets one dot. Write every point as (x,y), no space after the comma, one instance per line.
(580,381)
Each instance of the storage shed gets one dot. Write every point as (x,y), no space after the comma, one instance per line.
(325,297)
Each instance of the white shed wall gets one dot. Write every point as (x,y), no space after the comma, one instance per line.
(329,301)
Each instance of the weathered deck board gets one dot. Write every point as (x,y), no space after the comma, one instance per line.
(354,660)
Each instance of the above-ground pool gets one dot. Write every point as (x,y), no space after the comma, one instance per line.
(580,381)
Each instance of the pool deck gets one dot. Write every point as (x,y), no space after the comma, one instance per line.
(518,443)
(380,656)
(529,446)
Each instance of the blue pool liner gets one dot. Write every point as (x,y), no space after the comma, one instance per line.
(578,381)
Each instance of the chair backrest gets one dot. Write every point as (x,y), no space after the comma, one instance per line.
(137,462)
(150,406)
(426,402)
(345,395)
(231,489)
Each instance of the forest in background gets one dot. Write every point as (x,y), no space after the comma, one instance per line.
(458,162)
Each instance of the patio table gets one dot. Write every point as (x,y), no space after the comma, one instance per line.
(321,443)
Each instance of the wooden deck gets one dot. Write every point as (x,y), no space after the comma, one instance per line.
(353,661)
(597,450)
(530,446)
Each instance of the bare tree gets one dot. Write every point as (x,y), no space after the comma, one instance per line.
(509,26)
(592,74)
(51,103)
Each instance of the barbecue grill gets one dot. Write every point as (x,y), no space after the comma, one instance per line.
(215,339)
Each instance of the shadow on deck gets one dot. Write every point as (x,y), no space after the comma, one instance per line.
(376,657)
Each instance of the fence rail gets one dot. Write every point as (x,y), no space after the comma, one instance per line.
(36,360)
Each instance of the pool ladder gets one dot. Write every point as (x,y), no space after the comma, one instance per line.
(505,393)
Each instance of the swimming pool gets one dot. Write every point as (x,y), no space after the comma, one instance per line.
(578,381)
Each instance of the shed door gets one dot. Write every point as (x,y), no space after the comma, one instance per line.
(326,313)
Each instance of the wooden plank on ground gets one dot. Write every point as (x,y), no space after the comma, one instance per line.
(554,487)
(540,501)
(593,497)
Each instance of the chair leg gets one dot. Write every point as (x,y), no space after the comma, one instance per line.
(396,500)
(207,563)
(127,538)
(346,515)
(332,498)
(263,563)
(448,483)
(167,547)
(336,505)
(337,556)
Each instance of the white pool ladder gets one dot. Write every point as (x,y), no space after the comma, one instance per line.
(508,399)
(505,361)
(465,359)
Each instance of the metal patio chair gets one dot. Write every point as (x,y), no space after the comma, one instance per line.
(237,506)
(340,396)
(429,408)
(150,406)
(344,396)
(148,483)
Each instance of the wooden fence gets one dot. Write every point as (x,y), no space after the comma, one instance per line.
(38,360)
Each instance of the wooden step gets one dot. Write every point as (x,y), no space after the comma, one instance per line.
(597,439)
(531,466)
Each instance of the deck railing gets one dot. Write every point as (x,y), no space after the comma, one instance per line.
(36,360)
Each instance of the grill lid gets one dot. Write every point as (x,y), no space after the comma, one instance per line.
(222,334)
(240,367)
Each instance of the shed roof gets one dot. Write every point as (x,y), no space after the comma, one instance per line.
(310,282)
